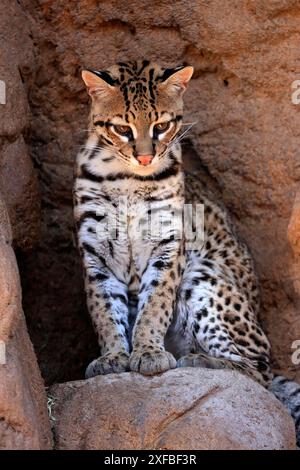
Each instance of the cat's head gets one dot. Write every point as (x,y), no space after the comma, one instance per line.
(137,110)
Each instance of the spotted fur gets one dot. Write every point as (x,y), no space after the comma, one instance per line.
(154,303)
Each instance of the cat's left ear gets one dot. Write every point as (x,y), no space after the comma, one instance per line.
(176,80)
(98,83)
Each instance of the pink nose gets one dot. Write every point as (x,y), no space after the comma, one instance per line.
(145,159)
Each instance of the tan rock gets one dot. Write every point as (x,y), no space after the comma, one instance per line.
(181,409)
(24,422)
(18,185)
(18,181)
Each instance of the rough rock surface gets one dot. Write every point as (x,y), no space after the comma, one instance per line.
(181,409)
(24,422)
(18,182)
(245,55)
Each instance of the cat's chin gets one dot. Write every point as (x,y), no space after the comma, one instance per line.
(145,170)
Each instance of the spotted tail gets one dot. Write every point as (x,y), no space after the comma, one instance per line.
(288,392)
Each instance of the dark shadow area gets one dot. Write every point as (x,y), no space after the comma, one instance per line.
(54,305)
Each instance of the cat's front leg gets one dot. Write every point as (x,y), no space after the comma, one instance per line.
(107,304)
(156,306)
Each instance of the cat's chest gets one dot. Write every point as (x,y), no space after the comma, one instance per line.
(143,218)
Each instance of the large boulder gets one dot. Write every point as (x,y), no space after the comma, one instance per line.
(185,409)
(24,422)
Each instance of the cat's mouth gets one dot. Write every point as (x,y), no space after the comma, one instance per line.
(146,165)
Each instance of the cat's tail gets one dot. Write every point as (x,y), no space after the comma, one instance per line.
(288,392)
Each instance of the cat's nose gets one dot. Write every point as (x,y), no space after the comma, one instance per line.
(145,159)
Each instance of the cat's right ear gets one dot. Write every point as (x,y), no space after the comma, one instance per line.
(98,84)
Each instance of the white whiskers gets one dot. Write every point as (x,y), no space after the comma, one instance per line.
(180,137)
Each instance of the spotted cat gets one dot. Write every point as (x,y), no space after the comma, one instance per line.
(160,301)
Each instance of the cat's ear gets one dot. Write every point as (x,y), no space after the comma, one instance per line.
(176,80)
(98,83)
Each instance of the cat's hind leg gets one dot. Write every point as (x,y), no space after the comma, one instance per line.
(220,325)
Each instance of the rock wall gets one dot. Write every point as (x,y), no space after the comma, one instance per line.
(24,422)
(18,182)
(246,56)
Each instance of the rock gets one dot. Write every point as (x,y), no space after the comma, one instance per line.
(246,140)
(18,181)
(24,422)
(293,232)
(294,225)
(182,409)
(18,185)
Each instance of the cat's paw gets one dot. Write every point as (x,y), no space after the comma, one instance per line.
(151,362)
(195,360)
(205,361)
(108,364)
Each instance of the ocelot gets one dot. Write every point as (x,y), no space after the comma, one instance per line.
(158,300)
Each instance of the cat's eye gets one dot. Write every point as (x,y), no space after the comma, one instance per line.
(122,130)
(162,127)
